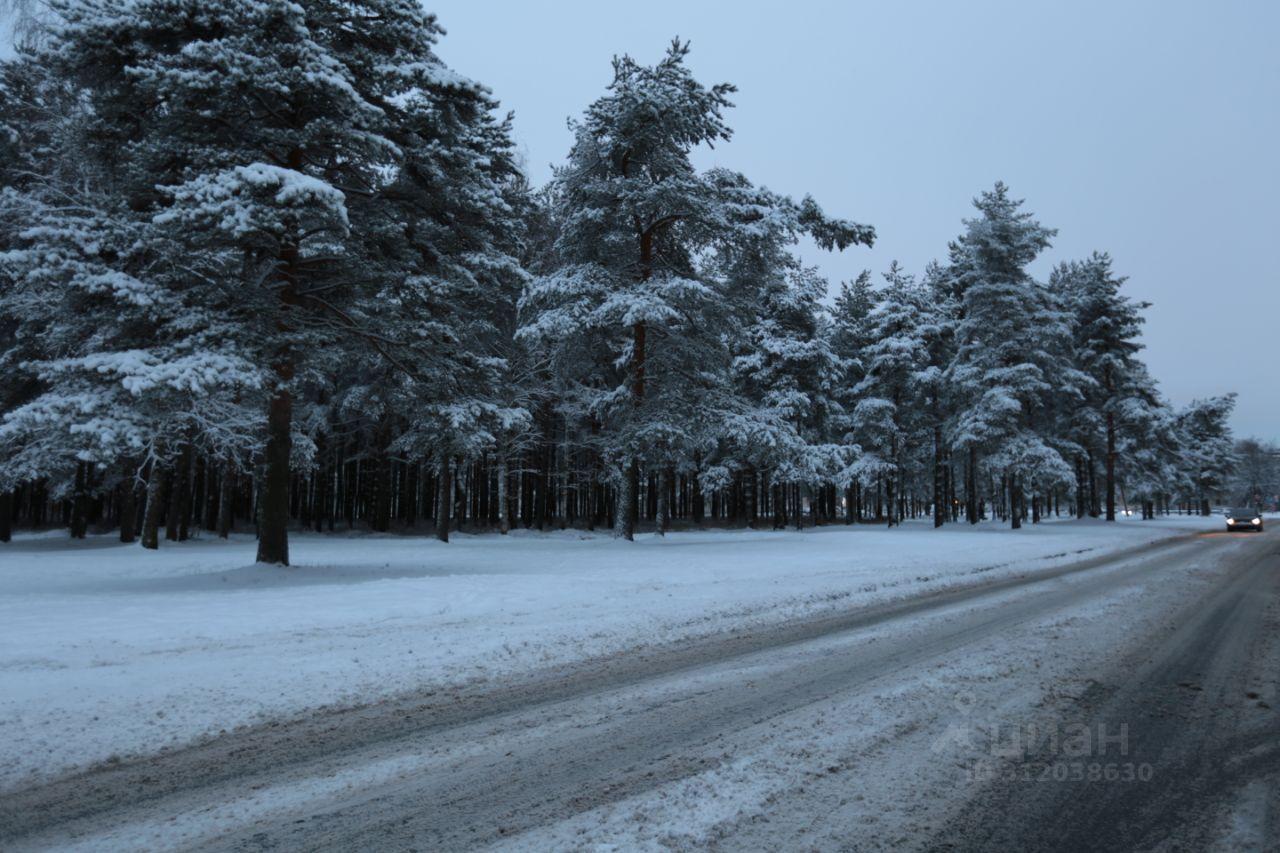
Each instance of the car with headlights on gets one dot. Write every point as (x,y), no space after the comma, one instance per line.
(1243,518)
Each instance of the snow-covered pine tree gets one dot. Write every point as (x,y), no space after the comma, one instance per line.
(849,333)
(119,360)
(247,118)
(849,320)
(281,134)
(634,216)
(1257,473)
(1006,338)
(1146,441)
(446,248)
(1106,326)
(937,333)
(632,211)
(559,377)
(887,416)
(1064,393)
(777,435)
(1208,457)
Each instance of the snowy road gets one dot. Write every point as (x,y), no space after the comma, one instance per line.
(1197,706)
(906,725)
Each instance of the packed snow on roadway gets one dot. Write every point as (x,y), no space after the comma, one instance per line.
(109,651)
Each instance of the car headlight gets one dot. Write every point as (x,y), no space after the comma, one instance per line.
(1257,521)
(1231,521)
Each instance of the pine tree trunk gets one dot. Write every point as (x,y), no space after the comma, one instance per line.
(890,500)
(1081,490)
(1015,501)
(504,518)
(444,499)
(173,489)
(1094,502)
(187,503)
(663,519)
(413,488)
(382,491)
(6,515)
(273,512)
(460,496)
(198,489)
(1111,466)
(179,496)
(673,495)
(546,502)
(80,503)
(939,479)
(486,507)
(226,498)
(599,514)
(625,523)
(628,502)
(273,509)
(971,486)
(697,500)
(213,491)
(320,490)
(128,504)
(952,504)
(156,494)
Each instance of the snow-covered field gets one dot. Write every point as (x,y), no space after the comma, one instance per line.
(108,650)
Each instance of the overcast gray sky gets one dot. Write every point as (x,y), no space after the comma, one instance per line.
(1147,129)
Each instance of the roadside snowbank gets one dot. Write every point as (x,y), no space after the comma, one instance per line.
(108,650)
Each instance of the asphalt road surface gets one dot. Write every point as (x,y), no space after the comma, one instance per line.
(1191,704)
(1139,689)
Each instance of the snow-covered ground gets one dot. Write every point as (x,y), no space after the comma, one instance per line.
(109,650)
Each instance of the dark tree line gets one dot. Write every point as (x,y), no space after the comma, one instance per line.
(274,265)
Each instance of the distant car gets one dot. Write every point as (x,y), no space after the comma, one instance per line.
(1243,518)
